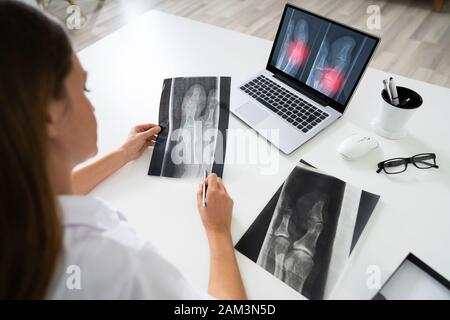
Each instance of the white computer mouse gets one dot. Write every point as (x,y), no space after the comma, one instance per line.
(356,146)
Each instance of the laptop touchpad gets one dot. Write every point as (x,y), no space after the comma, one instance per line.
(252,113)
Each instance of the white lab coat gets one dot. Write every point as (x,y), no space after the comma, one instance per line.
(103,258)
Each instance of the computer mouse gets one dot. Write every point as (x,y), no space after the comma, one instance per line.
(356,146)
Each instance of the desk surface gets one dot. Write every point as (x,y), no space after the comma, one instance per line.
(126,70)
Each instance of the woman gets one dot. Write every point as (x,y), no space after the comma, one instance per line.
(48,127)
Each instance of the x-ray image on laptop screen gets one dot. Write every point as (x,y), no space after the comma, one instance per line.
(322,54)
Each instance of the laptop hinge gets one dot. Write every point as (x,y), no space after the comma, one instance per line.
(319,100)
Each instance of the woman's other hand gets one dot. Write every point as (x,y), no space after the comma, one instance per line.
(140,138)
(225,280)
(216,215)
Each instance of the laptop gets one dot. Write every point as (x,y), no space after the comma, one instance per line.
(313,70)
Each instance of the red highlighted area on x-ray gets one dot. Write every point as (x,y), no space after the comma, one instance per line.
(331,80)
(298,52)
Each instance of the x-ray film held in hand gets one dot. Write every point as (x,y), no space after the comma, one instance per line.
(193,115)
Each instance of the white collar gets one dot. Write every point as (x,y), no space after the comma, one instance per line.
(89,211)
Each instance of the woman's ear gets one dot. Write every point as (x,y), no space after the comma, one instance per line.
(53,118)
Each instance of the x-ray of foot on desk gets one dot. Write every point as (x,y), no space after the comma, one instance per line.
(193,115)
(305,234)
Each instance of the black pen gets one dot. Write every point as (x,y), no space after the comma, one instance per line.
(205,175)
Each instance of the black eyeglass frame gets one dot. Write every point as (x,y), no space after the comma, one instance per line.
(406,161)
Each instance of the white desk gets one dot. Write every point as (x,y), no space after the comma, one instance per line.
(126,70)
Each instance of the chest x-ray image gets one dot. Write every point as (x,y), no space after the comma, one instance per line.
(193,115)
(305,234)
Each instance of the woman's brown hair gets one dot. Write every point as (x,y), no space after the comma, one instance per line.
(35,58)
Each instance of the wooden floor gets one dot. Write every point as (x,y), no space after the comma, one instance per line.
(415,39)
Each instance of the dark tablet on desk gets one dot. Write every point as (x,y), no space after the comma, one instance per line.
(414,280)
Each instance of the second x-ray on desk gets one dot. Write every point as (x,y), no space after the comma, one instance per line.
(307,231)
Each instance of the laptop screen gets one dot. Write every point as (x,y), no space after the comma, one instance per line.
(321,54)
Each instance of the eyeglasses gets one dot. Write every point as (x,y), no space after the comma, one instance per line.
(398,165)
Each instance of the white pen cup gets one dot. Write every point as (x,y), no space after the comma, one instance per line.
(391,119)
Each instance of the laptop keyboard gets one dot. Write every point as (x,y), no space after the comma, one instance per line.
(290,107)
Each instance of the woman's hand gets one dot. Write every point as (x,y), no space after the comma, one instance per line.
(225,280)
(140,138)
(216,215)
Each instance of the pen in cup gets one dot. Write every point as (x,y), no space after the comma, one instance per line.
(386,87)
(205,175)
(393,89)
